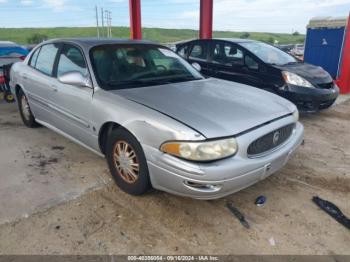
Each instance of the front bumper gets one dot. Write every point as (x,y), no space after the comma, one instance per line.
(224,177)
(310,100)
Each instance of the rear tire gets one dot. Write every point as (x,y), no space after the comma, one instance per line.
(25,112)
(127,162)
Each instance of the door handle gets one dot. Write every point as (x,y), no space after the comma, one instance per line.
(54,88)
(25,76)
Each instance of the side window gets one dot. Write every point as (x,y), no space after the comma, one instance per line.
(46,59)
(199,52)
(183,51)
(34,57)
(71,59)
(227,54)
(251,63)
(233,55)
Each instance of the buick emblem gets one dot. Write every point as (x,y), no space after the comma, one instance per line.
(276,137)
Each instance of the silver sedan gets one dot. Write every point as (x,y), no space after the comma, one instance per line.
(154,117)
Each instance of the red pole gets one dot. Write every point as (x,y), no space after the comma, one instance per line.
(135,19)
(206,19)
(344,78)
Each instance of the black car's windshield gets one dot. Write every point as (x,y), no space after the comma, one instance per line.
(269,54)
(128,66)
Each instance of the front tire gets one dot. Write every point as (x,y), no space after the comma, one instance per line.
(127,162)
(25,112)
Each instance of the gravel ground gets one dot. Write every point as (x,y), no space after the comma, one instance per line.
(104,220)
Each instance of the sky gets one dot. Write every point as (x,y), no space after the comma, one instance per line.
(278,16)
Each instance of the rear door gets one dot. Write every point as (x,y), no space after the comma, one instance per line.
(38,81)
(199,54)
(72,104)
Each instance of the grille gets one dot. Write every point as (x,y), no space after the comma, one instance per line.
(271,140)
(326,86)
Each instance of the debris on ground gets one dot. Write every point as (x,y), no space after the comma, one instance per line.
(332,210)
(238,214)
(260,201)
(272,241)
(57,147)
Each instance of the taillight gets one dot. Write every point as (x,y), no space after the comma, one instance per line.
(22,57)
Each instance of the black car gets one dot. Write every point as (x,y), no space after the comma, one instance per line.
(264,66)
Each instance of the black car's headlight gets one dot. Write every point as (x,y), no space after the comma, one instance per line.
(296,80)
(201,151)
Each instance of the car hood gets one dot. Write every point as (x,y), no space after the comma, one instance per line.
(313,74)
(213,107)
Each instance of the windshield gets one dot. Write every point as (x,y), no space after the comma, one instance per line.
(128,66)
(269,54)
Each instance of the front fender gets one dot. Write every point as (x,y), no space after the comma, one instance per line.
(149,126)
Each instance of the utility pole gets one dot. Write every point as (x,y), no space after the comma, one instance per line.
(103,24)
(107,21)
(98,29)
(110,24)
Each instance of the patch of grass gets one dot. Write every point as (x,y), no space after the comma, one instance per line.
(23,35)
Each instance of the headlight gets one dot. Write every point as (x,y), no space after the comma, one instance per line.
(296,115)
(296,80)
(201,151)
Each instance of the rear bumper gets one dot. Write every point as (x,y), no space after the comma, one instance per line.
(220,178)
(310,100)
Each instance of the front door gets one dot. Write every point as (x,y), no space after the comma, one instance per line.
(73,104)
(230,62)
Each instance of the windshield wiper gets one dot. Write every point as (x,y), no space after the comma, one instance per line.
(135,83)
(184,78)
(147,82)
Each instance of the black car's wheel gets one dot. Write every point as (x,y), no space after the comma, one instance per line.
(127,162)
(25,112)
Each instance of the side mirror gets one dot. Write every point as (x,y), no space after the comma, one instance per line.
(75,78)
(197,66)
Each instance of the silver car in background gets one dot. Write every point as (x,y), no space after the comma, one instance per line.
(156,119)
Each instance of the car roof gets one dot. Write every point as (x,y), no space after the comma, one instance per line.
(236,40)
(232,40)
(92,42)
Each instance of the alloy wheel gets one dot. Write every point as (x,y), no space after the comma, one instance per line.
(126,162)
(25,108)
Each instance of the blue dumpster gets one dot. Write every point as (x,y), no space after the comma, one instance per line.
(324,42)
